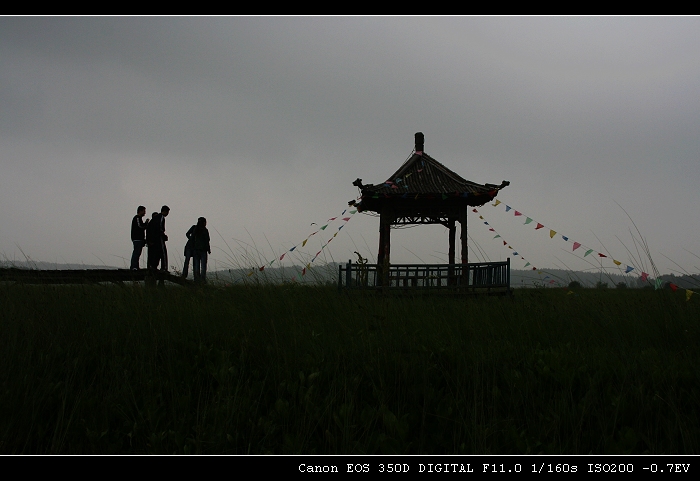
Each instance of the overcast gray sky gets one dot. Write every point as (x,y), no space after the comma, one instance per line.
(261,125)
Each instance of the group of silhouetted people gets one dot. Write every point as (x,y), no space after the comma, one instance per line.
(152,234)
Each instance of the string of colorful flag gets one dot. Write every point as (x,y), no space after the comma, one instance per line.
(303,243)
(506,244)
(577,245)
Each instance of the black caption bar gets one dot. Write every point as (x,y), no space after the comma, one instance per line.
(511,467)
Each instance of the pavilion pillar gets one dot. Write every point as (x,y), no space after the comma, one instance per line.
(463,242)
(451,252)
(386,218)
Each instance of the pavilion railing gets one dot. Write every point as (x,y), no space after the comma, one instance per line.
(479,276)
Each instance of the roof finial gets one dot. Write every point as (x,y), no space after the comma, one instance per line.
(420,141)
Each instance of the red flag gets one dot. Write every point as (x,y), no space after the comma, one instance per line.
(576,245)
(673,286)
(601,255)
(517,213)
(539,226)
(644,276)
(261,268)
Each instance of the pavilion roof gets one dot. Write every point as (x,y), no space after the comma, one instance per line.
(422,174)
(421,177)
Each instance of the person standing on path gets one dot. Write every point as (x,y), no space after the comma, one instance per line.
(189,250)
(156,239)
(201,249)
(151,237)
(163,238)
(138,236)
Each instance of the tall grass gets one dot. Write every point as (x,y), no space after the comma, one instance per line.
(295,369)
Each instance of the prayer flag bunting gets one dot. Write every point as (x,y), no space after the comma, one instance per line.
(629,269)
(565,238)
(526,264)
(497,236)
(673,287)
(539,226)
(528,220)
(305,241)
(497,202)
(346,219)
(576,245)
(644,276)
(601,255)
(617,263)
(657,284)
(587,252)
(290,250)
(324,227)
(688,293)
(517,213)
(508,208)
(551,234)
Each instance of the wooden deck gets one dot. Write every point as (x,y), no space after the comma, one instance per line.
(473,278)
(87,276)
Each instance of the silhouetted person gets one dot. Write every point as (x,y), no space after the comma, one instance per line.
(201,249)
(189,250)
(151,241)
(157,240)
(138,236)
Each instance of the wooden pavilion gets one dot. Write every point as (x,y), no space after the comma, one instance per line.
(423,191)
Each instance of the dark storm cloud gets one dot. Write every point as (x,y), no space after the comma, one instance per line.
(280,112)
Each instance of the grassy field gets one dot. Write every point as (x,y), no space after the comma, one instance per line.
(291,369)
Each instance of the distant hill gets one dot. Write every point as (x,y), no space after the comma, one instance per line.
(328,273)
(40,265)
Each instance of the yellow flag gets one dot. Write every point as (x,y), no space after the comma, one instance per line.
(617,263)
(497,202)
(304,243)
(688,293)
(552,234)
